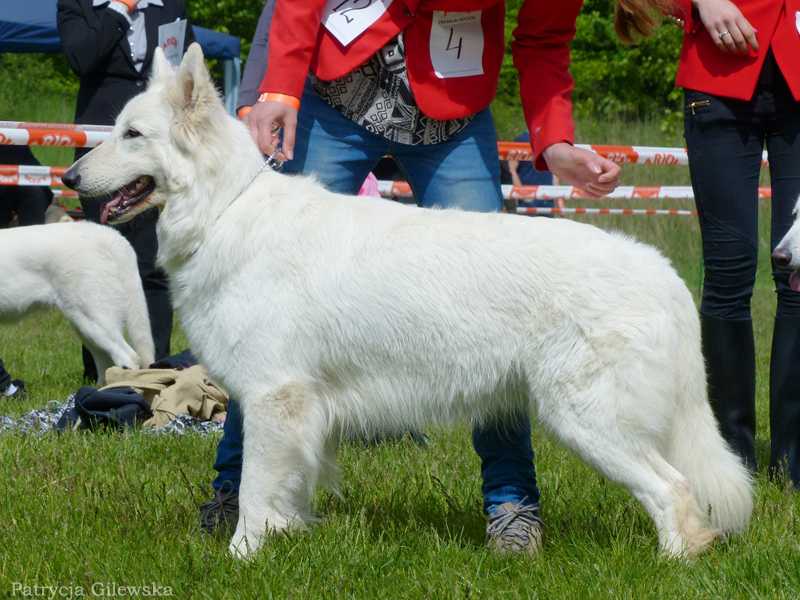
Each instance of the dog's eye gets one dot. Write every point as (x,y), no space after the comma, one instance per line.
(131,133)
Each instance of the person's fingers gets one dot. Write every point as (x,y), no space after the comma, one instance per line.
(599,190)
(252,126)
(610,172)
(266,141)
(590,191)
(736,36)
(725,38)
(289,131)
(748,32)
(738,39)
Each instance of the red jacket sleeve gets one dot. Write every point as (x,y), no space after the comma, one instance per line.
(292,40)
(541,48)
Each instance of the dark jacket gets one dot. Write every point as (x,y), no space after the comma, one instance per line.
(256,64)
(95,42)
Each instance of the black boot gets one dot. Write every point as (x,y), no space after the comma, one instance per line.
(729,351)
(784,399)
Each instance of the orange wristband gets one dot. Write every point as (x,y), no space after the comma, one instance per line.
(242,112)
(282,98)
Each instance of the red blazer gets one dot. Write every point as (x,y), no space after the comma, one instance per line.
(299,43)
(705,68)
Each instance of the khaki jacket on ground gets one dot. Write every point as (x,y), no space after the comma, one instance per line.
(173,392)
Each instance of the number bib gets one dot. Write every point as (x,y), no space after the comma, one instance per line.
(456,44)
(170,38)
(348,19)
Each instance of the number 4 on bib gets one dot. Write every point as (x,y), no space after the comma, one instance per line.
(456,44)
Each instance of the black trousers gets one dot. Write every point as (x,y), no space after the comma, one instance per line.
(725,139)
(141,233)
(29,203)
(5,378)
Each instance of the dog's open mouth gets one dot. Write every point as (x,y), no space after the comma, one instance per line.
(794,281)
(126,198)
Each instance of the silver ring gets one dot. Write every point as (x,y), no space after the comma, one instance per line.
(722,34)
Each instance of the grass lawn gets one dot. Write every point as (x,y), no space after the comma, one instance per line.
(86,512)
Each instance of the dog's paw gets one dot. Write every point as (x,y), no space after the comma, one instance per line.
(243,547)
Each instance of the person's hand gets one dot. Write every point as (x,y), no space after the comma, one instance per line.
(265,121)
(591,172)
(512,159)
(727,26)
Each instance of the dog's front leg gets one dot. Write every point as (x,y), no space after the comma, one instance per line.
(284,440)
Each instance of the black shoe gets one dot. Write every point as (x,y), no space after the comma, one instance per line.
(19,390)
(221,513)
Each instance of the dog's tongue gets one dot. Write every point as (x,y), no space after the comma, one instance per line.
(794,281)
(108,206)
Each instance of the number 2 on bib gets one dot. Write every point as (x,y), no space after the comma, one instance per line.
(348,19)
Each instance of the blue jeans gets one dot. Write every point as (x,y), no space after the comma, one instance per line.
(463,172)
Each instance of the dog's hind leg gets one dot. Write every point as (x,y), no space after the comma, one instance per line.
(285,435)
(595,422)
(101,334)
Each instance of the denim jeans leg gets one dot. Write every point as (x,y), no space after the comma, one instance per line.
(229,451)
(506,462)
(464,172)
(337,151)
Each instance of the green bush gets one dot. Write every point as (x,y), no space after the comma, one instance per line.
(611,79)
(237,17)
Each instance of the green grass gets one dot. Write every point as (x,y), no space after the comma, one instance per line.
(79,509)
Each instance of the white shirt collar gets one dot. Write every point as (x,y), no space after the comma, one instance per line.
(142,3)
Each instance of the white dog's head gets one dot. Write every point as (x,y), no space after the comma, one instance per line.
(787,253)
(151,155)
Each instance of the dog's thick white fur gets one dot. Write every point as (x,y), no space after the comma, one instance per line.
(87,271)
(324,312)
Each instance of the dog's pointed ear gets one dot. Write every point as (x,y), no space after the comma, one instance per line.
(194,82)
(161,67)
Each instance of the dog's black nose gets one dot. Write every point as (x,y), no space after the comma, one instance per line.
(782,258)
(71,179)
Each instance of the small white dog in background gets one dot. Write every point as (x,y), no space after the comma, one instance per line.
(324,312)
(87,271)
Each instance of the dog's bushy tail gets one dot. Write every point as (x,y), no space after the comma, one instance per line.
(720,482)
(137,318)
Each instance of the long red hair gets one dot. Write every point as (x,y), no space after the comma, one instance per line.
(639,18)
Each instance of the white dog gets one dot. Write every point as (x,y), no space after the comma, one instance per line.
(322,312)
(87,271)
(787,253)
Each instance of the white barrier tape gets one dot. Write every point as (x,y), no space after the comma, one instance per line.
(25,175)
(621,154)
(64,193)
(32,125)
(625,212)
(401,189)
(87,136)
(30,175)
